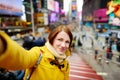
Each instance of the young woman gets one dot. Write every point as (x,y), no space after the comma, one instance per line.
(53,64)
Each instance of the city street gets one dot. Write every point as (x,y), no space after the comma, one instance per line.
(85,54)
(109,71)
(94,37)
(83,66)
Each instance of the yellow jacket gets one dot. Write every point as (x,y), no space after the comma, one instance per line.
(16,57)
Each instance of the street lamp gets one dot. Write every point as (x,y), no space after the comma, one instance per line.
(30,5)
(32,17)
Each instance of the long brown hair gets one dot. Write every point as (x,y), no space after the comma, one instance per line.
(58,29)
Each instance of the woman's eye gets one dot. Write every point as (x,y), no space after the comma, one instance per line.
(60,39)
(68,42)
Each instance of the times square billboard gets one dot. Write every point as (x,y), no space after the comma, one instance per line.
(11,7)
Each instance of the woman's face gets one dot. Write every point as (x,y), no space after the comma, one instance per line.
(61,42)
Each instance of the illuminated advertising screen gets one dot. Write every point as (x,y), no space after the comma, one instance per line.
(100,15)
(56,7)
(62,11)
(51,5)
(73,5)
(53,17)
(11,7)
(114,20)
(74,13)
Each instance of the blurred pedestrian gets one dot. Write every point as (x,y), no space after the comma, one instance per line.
(73,44)
(39,42)
(109,54)
(19,74)
(7,75)
(79,42)
(118,49)
(52,57)
(96,54)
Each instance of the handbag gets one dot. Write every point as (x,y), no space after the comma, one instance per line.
(35,66)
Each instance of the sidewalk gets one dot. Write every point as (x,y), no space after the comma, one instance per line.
(109,71)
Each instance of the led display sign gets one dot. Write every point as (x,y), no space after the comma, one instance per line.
(11,7)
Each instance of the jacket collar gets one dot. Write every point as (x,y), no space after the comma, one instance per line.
(49,54)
